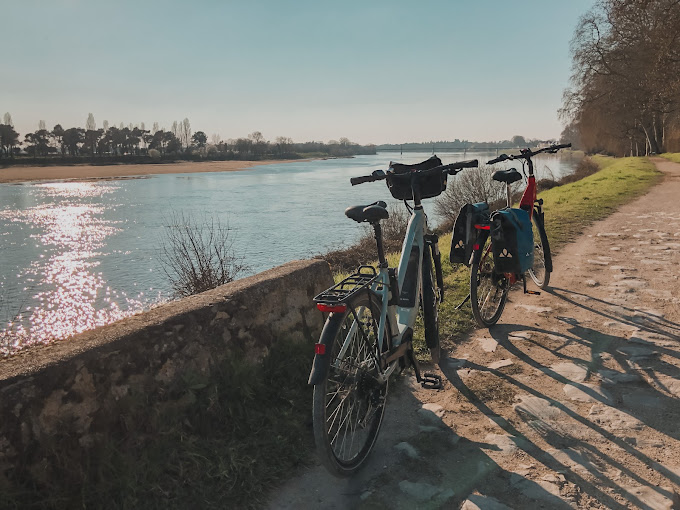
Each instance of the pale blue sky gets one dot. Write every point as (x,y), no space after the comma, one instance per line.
(373,71)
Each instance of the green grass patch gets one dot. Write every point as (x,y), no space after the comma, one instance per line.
(672,156)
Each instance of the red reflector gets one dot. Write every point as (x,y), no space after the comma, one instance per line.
(331,308)
(475,247)
(319,349)
(483,227)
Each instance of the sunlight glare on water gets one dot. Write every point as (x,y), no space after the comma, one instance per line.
(64,291)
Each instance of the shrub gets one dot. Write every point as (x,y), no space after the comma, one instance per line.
(198,255)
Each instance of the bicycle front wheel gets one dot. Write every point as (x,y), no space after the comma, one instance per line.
(431,300)
(540,270)
(349,404)
(488,290)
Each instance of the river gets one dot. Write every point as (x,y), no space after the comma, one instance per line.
(76,255)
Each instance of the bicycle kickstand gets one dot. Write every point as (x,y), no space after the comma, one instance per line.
(464,301)
(532,292)
(427,380)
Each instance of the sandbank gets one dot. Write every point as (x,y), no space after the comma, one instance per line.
(78,172)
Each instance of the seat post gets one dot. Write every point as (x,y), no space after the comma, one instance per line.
(379,241)
(507,189)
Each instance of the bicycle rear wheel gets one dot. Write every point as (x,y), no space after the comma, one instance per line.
(431,300)
(488,290)
(349,404)
(540,271)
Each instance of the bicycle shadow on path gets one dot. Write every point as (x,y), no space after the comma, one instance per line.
(420,462)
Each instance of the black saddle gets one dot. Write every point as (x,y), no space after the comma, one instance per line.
(507,176)
(371,213)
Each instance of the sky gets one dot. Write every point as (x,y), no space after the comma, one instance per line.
(387,71)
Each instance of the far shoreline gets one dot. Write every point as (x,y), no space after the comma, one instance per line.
(19,174)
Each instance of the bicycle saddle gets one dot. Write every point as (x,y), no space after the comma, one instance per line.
(507,176)
(371,213)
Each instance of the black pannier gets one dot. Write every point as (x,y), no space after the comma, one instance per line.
(464,232)
(399,179)
(512,241)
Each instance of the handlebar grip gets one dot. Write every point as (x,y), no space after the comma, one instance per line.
(563,146)
(471,163)
(362,179)
(500,158)
(366,178)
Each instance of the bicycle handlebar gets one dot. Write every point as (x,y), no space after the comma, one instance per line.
(367,178)
(451,168)
(528,153)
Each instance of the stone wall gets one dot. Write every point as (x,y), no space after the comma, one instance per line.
(73,390)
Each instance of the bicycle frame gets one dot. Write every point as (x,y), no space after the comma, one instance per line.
(409,275)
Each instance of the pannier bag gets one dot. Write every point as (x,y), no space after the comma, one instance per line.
(464,232)
(512,240)
(399,180)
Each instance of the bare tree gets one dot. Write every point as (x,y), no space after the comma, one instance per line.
(198,255)
(625,84)
(105,125)
(7,120)
(90,124)
(41,125)
(215,139)
(155,128)
(185,132)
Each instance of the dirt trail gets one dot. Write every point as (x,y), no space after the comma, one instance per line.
(571,401)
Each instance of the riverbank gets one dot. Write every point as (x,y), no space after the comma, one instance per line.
(80,172)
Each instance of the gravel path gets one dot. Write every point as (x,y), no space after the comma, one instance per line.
(571,401)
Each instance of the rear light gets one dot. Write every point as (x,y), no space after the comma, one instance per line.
(331,308)
(319,349)
(475,247)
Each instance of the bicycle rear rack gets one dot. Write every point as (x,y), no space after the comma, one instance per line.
(346,289)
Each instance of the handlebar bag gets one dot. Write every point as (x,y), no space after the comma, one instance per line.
(464,232)
(399,179)
(512,241)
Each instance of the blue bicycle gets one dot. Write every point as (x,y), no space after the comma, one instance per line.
(369,330)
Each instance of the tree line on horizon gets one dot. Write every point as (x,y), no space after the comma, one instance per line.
(517,141)
(179,142)
(624,97)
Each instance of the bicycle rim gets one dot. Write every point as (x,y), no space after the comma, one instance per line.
(488,292)
(538,272)
(349,404)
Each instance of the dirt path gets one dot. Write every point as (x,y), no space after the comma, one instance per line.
(570,402)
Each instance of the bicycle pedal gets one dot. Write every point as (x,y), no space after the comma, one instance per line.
(431,381)
(532,292)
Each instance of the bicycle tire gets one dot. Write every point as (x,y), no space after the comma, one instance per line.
(488,290)
(542,266)
(431,300)
(352,380)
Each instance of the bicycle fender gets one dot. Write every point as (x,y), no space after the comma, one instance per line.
(323,361)
(481,240)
